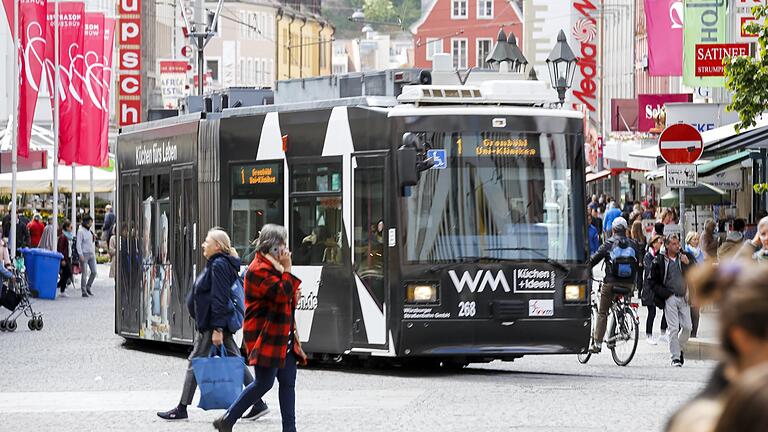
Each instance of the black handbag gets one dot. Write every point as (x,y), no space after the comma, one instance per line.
(9,298)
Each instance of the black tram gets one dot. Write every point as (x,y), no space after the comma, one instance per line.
(444,224)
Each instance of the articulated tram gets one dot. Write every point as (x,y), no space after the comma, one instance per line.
(438,220)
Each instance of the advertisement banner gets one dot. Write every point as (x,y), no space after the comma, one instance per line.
(31,60)
(584,30)
(106,82)
(704,24)
(173,78)
(93,58)
(70,73)
(742,16)
(702,116)
(709,57)
(650,105)
(664,23)
(726,180)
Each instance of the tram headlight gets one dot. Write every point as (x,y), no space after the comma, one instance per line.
(421,293)
(575,293)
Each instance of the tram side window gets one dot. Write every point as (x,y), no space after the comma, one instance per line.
(257,199)
(316,218)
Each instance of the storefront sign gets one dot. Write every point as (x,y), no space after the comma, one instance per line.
(664,23)
(702,116)
(726,180)
(681,175)
(173,78)
(584,30)
(709,57)
(704,24)
(129,62)
(650,105)
(742,16)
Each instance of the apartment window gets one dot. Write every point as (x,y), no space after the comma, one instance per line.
(458,8)
(323,47)
(485,9)
(257,71)
(483,50)
(243,29)
(264,72)
(241,80)
(434,46)
(212,66)
(459,53)
(271,72)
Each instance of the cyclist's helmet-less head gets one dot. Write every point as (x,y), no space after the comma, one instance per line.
(619,224)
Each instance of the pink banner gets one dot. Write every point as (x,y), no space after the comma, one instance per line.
(650,105)
(88,148)
(70,49)
(664,23)
(32,46)
(106,79)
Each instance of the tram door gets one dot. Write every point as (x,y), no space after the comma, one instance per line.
(130,277)
(183,199)
(369,327)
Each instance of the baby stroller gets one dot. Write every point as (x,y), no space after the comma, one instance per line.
(15,296)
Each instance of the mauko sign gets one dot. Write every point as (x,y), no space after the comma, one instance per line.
(680,144)
(681,175)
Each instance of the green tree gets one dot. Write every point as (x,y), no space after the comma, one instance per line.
(379,10)
(747,77)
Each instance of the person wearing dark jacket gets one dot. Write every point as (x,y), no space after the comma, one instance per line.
(646,295)
(208,304)
(668,273)
(611,281)
(269,330)
(64,247)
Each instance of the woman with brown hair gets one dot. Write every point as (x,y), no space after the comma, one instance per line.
(740,289)
(708,242)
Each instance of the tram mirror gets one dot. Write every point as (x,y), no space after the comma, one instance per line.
(407,169)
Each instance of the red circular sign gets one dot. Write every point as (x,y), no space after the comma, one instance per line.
(681,144)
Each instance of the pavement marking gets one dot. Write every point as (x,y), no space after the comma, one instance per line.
(90,401)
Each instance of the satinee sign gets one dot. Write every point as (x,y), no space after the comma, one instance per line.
(681,144)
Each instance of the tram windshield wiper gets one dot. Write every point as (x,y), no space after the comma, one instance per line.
(544,257)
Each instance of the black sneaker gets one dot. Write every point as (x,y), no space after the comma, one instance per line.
(221,425)
(174,414)
(257,411)
(90,293)
(677,363)
(85,294)
(682,358)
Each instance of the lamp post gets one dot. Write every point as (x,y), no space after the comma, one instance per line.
(358,16)
(506,50)
(562,65)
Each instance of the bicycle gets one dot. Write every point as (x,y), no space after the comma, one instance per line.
(623,330)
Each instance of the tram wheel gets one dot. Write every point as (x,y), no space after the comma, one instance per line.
(11,325)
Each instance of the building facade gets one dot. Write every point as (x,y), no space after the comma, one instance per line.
(467,29)
(304,43)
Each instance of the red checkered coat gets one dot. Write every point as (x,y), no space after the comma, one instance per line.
(270,302)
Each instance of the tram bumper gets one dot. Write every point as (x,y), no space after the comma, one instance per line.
(493,339)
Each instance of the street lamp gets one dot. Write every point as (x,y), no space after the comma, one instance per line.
(506,50)
(367,28)
(562,65)
(357,16)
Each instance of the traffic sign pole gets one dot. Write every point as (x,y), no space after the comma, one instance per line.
(681,143)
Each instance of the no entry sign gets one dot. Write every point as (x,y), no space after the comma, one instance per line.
(680,144)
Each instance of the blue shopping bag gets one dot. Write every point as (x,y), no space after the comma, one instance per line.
(219,377)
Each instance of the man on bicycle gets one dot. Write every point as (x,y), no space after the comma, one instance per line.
(621,255)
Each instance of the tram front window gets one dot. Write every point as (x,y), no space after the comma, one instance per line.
(257,199)
(495,195)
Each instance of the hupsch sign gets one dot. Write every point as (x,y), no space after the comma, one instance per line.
(129,62)
(709,57)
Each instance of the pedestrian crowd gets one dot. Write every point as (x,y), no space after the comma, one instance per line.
(679,276)
(77,245)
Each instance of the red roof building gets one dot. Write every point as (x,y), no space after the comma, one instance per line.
(467,29)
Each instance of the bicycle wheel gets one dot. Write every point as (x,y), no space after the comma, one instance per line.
(585,356)
(626,335)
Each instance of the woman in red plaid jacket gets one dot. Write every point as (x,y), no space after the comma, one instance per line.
(269,330)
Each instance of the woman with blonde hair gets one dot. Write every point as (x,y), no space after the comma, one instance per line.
(208,303)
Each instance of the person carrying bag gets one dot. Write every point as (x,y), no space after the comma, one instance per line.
(211,305)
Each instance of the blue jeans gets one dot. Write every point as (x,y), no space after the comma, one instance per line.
(264,380)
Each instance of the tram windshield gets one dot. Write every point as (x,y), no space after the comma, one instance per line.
(494,195)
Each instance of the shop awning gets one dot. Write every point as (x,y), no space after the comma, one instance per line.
(725,140)
(645,159)
(598,175)
(722,164)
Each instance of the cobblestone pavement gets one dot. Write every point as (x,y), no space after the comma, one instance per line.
(77,375)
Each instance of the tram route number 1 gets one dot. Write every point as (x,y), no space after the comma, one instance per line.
(467,308)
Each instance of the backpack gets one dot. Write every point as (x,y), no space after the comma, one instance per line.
(237,304)
(623,260)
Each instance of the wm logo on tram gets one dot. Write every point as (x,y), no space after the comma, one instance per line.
(479,281)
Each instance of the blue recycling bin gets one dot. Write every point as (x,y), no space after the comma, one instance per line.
(42,271)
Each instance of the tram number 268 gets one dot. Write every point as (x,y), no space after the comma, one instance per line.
(467,308)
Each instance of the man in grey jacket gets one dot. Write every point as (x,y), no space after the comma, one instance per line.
(86,249)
